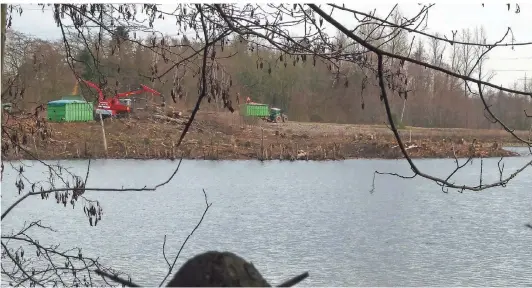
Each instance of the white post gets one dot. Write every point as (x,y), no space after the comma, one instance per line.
(103,134)
(403,111)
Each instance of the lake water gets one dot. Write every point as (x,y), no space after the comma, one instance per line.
(291,217)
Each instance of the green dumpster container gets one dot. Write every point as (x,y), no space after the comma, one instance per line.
(70,111)
(255,110)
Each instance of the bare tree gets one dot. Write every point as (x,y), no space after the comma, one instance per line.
(379,50)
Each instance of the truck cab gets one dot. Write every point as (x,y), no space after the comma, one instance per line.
(125,101)
(277,116)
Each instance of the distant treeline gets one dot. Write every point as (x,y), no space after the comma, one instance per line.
(306,89)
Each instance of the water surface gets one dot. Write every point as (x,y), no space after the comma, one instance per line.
(291,217)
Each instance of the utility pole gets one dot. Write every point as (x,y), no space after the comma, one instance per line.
(525,83)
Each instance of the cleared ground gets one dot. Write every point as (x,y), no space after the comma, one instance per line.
(222,135)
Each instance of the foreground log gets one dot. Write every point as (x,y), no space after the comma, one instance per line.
(170,119)
(218,269)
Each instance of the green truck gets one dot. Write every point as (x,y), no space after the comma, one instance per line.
(7,107)
(276,115)
(264,112)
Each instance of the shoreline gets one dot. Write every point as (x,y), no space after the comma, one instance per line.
(378,153)
(249,159)
(223,136)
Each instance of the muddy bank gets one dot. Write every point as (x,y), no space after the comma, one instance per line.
(216,136)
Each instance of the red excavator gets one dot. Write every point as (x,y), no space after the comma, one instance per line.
(117,106)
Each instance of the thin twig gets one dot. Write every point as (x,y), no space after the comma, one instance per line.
(171,268)
(116,278)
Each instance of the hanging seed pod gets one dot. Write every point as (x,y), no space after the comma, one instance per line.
(261,65)
(281,57)
(269,70)
(284,64)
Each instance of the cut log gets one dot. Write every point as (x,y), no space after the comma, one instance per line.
(170,119)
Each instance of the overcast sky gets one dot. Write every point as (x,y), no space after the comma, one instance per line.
(509,65)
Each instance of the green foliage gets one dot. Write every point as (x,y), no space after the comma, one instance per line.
(89,70)
(121,34)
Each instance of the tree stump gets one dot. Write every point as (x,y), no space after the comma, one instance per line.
(217,269)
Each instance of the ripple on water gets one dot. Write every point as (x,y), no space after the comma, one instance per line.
(288,218)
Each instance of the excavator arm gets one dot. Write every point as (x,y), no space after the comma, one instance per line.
(143,88)
(93,85)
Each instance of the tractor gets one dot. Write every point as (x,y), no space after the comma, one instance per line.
(276,116)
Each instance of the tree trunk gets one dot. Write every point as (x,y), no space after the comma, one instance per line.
(3,35)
